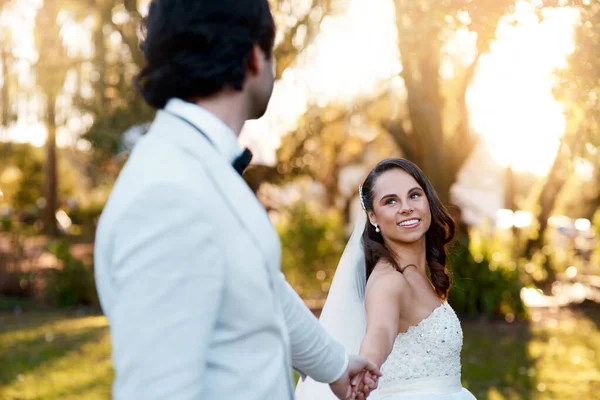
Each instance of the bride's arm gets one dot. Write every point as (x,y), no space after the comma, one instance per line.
(382,304)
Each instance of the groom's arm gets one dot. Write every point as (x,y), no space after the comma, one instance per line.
(169,274)
(314,352)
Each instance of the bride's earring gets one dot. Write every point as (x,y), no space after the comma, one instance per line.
(377,228)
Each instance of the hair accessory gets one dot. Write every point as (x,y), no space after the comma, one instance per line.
(360,194)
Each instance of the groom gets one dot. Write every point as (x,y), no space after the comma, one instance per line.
(187,261)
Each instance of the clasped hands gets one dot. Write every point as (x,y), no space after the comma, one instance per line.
(360,378)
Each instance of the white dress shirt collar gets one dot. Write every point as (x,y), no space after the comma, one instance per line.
(220,135)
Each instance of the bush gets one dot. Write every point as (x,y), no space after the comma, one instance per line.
(86,217)
(484,287)
(15,281)
(312,244)
(595,259)
(16,284)
(73,284)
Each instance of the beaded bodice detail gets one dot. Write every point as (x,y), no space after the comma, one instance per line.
(430,349)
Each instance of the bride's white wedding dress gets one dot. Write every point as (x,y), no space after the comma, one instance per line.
(424,364)
(425,361)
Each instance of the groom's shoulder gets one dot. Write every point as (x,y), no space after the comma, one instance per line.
(164,183)
(157,162)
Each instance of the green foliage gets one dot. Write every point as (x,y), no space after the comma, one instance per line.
(86,218)
(30,186)
(578,90)
(106,133)
(21,174)
(15,282)
(54,355)
(73,284)
(596,222)
(312,243)
(482,286)
(595,259)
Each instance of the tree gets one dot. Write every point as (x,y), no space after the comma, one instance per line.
(51,70)
(6,65)
(22,174)
(579,90)
(298,26)
(555,181)
(7,62)
(428,134)
(117,105)
(433,125)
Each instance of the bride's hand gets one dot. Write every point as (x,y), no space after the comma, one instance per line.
(357,366)
(363,384)
(370,380)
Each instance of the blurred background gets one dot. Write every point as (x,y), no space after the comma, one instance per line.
(498,101)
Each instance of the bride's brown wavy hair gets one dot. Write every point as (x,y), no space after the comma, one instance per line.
(439,235)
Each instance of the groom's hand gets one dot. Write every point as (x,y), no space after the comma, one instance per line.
(357,365)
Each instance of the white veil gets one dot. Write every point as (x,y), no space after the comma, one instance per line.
(343,315)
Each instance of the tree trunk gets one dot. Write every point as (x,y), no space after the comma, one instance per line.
(100,65)
(332,181)
(509,185)
(554,184)
(511,204)
(425,109)
(593,207)
(51,187)
(4,94)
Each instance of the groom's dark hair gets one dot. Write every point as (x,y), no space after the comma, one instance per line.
(196,48)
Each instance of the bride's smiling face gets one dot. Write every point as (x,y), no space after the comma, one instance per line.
(400,207)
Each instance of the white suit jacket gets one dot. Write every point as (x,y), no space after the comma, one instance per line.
(188,271)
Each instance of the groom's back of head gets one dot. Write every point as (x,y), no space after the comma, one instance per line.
(196,48)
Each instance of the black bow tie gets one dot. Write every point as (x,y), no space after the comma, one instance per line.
(242,161)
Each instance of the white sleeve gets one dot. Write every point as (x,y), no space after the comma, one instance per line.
(169,274)
(314,352)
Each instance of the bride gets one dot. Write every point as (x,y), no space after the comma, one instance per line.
(388,295)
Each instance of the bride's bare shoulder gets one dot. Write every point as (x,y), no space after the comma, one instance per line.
(386,278)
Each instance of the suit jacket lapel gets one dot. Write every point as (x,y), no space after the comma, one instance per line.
(233,189)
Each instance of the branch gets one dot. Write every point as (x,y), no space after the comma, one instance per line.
(464,141)
(286,52)
(315,124)
(362,106)
(403,139)
(131,41)
(468,78)
(562,3)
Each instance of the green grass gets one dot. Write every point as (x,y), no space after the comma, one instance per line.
(54,356)
(60,355)
(554,357)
